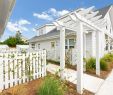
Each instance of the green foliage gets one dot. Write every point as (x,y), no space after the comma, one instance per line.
(103,64)
(11,42)
(52,86)
(91,64)
(108,57)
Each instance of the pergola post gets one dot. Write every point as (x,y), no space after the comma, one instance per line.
(98,53)
(62,51)
(108,44)
(80,58)
(84,50)
(93,43)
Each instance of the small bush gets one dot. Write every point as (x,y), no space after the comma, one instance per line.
(51,86)
(91,64)
(103,65)
(108,57)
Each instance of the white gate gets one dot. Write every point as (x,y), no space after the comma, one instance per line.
(18,68)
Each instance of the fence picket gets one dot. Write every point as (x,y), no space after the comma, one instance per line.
(15,67)
(6,73)
(23,70)
(11,72)
(1,74)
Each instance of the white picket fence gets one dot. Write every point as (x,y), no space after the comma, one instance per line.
(18,68)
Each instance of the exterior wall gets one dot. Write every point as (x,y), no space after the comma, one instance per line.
(111,16)
(89,44)
(6,7)
(53,53)
(109,24)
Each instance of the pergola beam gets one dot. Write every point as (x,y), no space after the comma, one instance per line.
(91,15)
(86,11)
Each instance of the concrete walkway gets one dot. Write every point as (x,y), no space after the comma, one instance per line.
(107,87)
(91,83)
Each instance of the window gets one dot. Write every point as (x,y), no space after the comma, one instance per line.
(106,27)
(33,46)
(38,46)
(110,47)
(71,43)
(52,44)
(66,44)
(106,46)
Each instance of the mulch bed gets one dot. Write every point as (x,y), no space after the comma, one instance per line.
(32,87)
(103,74)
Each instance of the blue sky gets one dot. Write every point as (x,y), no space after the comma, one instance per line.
(29,14)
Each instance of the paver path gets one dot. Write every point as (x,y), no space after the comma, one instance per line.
(91,83)
(107,87)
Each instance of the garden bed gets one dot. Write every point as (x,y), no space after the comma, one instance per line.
(103,74)
(91,71)
(32,88)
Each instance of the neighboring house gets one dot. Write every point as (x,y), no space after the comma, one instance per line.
(5,11)
(22,48)
(48,37)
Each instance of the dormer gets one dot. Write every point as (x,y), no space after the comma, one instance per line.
(45,29)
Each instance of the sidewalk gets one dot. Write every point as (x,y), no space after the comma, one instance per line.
(91,83)
(107,87)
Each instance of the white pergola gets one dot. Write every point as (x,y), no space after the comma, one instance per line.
(81,21)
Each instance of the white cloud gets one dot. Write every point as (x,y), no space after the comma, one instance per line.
(51,14)
(34,30)
(12,26)
(56,13)
(18,25)
(43,15)
(23,22)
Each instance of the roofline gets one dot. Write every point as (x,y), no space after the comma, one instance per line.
(109,9)
(51,37)
(37,28)
(67,14)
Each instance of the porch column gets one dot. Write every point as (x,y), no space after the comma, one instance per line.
(98,52)
(93,44)
(62,51)
(108,44)
(80,58)
(84,50)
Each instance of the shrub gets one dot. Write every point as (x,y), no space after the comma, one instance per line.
(51,86)
(108,57)
(91,64)
(103,64)
(11,42)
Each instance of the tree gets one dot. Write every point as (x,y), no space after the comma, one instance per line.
(19,40)
(11,42)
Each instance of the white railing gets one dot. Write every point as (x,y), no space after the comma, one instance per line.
(18,68)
